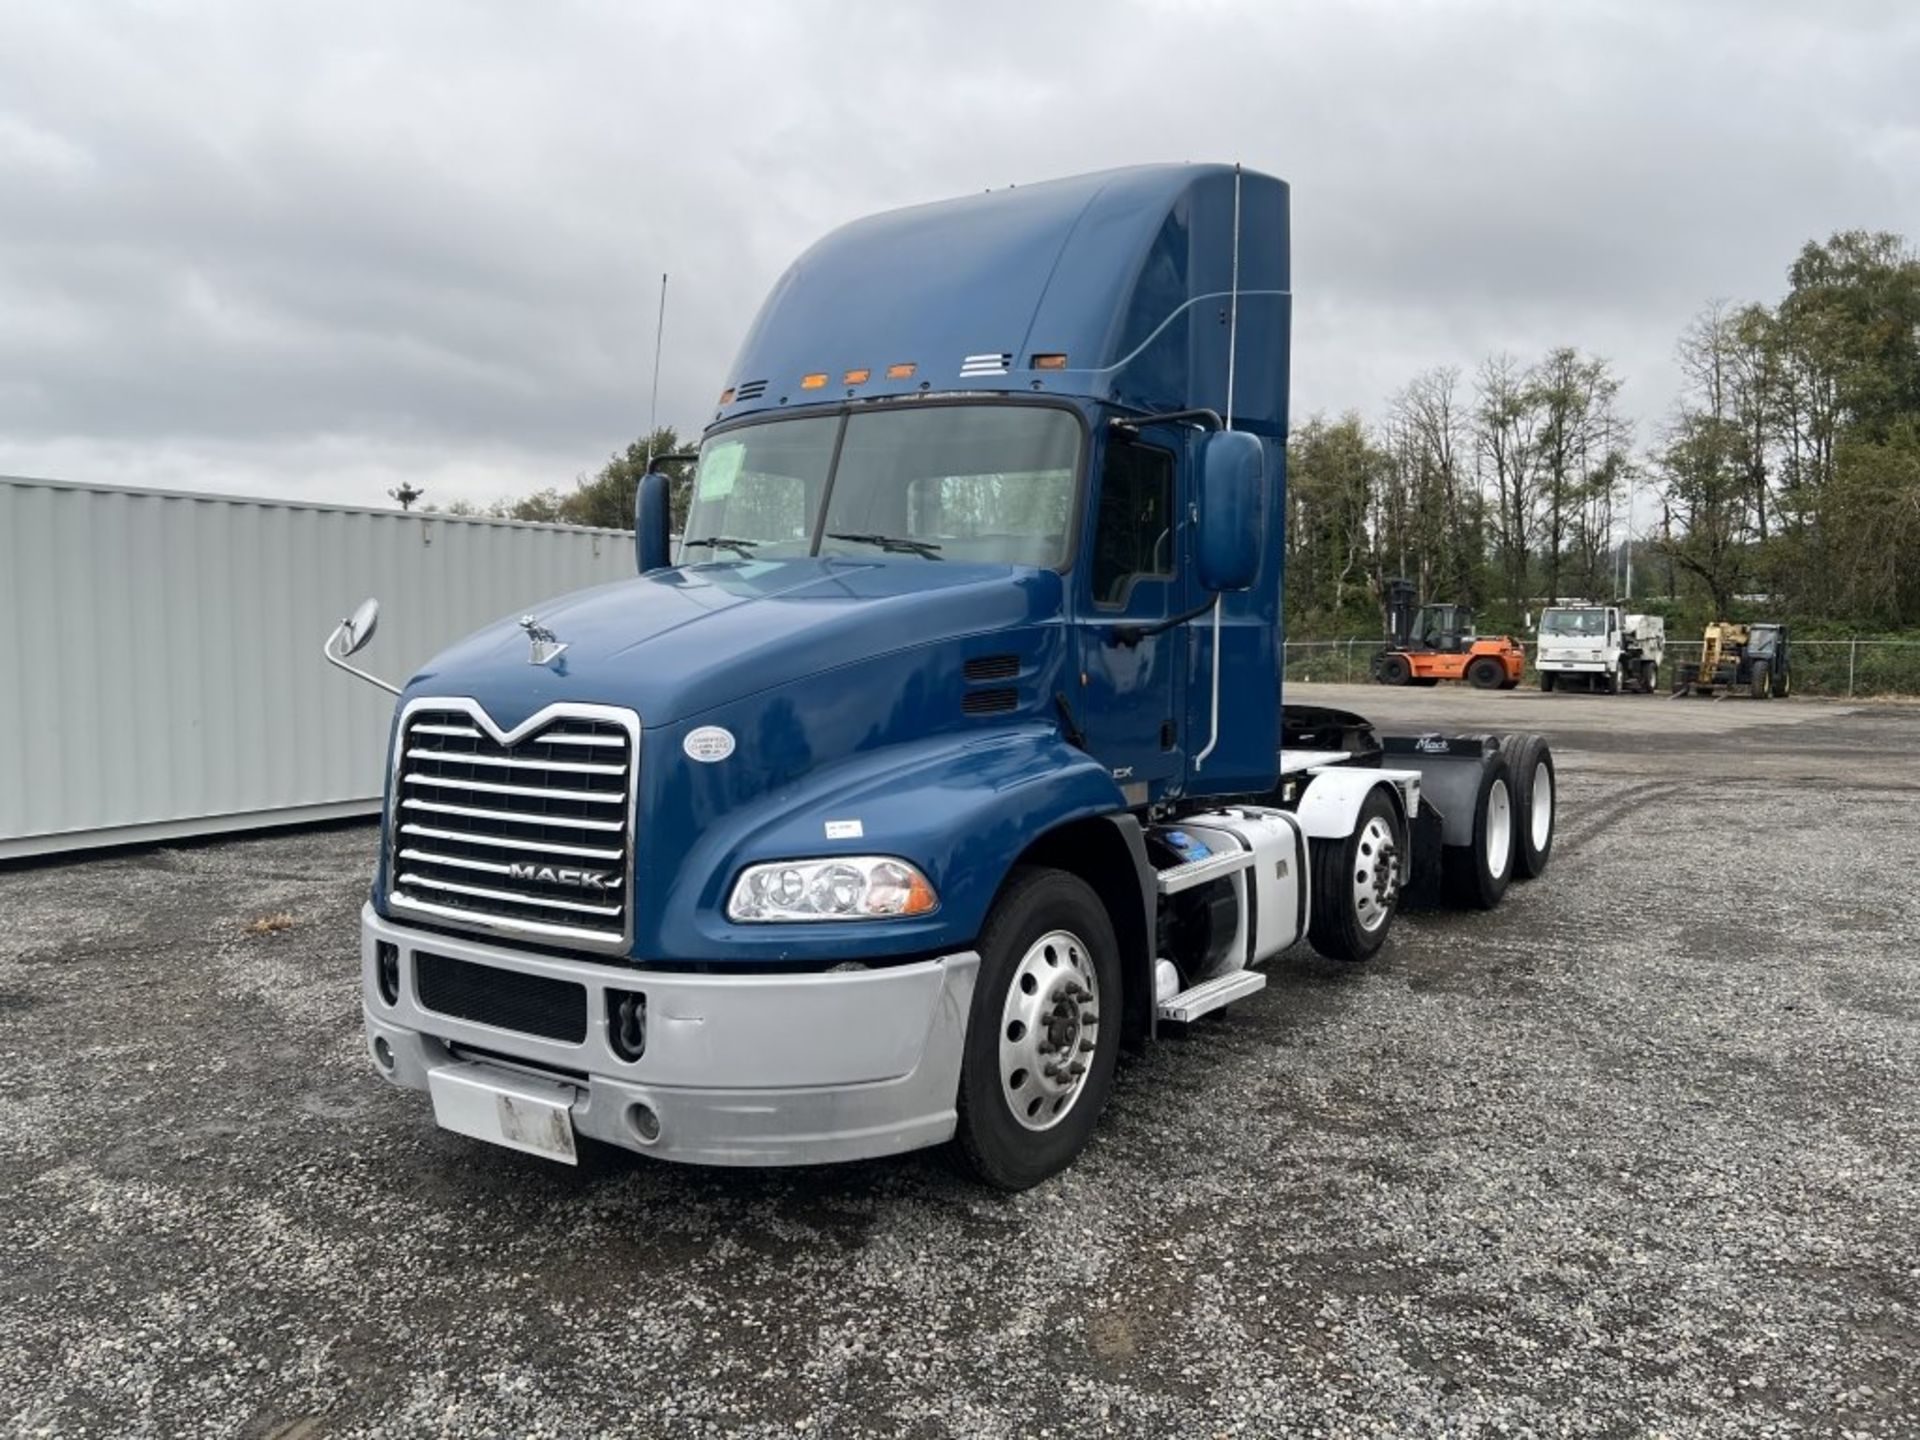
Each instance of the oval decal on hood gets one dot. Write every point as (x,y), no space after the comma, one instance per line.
(708,744)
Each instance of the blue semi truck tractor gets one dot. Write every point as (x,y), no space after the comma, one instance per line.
(946,755)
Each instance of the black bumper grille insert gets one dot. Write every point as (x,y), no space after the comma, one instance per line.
(505,999)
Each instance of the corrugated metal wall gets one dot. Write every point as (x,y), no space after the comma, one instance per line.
(160,666)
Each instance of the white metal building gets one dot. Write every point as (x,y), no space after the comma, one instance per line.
(160,665)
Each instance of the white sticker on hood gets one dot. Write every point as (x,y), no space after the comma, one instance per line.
(845,830)
(708,744)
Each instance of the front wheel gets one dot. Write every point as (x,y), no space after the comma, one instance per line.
(1762,682)
(1356,883)
(1394,669)
(1546,680)
(1044,1032)
(1485,673)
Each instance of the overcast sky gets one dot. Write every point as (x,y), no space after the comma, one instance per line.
(314,250)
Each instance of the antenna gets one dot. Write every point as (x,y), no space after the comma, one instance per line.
(653,403)
(1233,347)
(1233,301)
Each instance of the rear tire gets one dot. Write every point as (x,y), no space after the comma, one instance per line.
(1485,673)
(1536,800)
(1762,687)
(1356,883)
(1475,876)
(1546,680)
(1649,677)
(1050,929)
(1395,670)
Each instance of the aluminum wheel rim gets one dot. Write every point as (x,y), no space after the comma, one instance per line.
(1376,874)
(1542,805)
(1499,828)
(1049,1030)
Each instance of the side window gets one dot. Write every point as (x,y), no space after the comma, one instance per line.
(1133,535)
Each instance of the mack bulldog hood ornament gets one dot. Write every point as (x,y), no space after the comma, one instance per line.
(544,647)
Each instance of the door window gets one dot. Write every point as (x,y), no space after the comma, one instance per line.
(1133,536)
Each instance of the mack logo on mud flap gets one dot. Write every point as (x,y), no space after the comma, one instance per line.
(1433,745)
(565,875)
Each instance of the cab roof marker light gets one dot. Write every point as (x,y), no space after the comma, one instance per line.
(901,372)
(815,381)
(726,396)
(856,377)
(1050,362)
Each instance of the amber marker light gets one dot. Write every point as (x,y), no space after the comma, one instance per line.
(1050,362)
(900,372)
(816,381)
(726,396)
(856,377)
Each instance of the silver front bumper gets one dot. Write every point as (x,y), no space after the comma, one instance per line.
(737,1069)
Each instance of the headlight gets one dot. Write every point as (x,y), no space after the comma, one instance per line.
(849,887)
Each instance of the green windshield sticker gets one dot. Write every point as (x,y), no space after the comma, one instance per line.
(719,468)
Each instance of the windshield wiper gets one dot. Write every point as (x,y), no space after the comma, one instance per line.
(723,542)
(899,544)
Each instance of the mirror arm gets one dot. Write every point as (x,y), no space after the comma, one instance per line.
(1205,419)
(1131,635)
(333,659)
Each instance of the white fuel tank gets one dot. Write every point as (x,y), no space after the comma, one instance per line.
(1271,887)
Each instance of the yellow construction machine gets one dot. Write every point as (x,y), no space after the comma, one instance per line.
(1733,657)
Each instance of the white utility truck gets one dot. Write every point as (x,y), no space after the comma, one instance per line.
(1598,647)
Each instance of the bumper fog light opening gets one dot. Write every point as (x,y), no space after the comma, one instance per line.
(643,1122)
(382,1053)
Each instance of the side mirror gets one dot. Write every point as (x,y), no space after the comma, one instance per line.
(1233,510)
(652,523)
(357,629)
(351,635)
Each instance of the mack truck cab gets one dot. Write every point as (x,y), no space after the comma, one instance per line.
(945,752)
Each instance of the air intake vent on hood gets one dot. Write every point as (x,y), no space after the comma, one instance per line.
(750,390)
(990,702)
(992,667)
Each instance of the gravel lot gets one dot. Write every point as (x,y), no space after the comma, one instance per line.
(1638,1153)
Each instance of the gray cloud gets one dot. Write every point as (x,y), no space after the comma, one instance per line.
(315,250)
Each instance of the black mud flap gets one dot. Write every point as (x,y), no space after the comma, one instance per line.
(1422,890)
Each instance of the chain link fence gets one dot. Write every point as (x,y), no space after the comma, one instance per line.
(1840,668)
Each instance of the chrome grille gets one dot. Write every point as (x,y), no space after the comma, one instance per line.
(528,834)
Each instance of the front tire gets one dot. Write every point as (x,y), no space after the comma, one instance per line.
(1395,669)
(1546,680)
(1762,687)
(1485,673)
(1044,1033)
(1356,883)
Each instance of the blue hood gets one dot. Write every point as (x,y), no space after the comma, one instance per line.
(677,642)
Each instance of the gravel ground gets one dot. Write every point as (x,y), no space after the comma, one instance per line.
(1639,1153)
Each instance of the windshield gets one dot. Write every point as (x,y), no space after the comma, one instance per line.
(1574,622)
(984,483)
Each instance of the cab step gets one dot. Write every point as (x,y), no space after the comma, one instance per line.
(1197,872)
(1191,1004)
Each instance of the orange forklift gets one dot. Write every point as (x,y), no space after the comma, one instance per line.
(1436,642)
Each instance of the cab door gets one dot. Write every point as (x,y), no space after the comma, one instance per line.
(1132,661)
